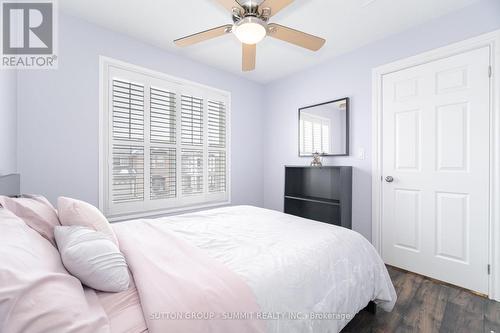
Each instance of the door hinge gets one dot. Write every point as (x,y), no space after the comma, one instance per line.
(489,269)
(490,72)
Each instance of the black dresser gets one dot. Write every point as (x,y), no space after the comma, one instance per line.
(320,193)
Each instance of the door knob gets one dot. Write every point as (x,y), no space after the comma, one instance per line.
(389,179)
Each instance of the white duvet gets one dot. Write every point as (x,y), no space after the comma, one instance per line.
(307,276)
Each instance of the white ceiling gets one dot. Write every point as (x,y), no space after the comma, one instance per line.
(345,24)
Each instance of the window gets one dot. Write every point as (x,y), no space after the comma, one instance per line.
(164,143)
(315,132)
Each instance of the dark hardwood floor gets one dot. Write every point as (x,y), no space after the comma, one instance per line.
(427,306)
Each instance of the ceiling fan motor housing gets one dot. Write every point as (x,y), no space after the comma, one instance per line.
(250,9)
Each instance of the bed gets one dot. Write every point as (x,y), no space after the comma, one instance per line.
(304,276)
(294,266)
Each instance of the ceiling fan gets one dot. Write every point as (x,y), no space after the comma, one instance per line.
(251,26)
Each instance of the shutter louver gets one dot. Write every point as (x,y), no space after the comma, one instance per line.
(217,171)
(128,111)
(163,173)
(192,172)
(162,110)
(191,120)
(216,124)
(128,173)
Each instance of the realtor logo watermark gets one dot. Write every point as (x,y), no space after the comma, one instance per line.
(29,34)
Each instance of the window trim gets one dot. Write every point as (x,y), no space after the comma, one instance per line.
(105,64)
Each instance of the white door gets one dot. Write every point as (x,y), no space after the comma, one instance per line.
(436,149)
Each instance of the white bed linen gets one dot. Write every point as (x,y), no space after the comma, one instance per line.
(294,266)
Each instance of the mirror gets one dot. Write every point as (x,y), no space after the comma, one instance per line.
(324,129)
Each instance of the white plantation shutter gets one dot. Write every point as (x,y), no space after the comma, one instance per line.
(192,120)
(128,129)
(216,171)
(162,108)
(216,144)
(216,124)
(192,172)
(163,173)
(128,110)
(166,144)
(192,133)
(128,173)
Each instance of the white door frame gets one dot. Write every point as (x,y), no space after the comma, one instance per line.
(492,40)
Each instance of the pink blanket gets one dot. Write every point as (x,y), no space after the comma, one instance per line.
(180,287)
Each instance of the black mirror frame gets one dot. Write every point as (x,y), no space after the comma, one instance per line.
(347,120)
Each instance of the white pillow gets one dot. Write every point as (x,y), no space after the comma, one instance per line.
(77,212)
(93,258)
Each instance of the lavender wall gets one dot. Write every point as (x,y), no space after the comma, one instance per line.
(57,132)
(58,114)
(350,75)
(8,122)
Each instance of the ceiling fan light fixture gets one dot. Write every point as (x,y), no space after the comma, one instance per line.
(250,30)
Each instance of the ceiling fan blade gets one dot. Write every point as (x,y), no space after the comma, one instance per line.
(296,37)
(203,36)
(275,5)
(229,4)
(249,55)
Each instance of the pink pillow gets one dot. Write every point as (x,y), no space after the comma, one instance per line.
(36,293)
(36,212)
(77,212)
